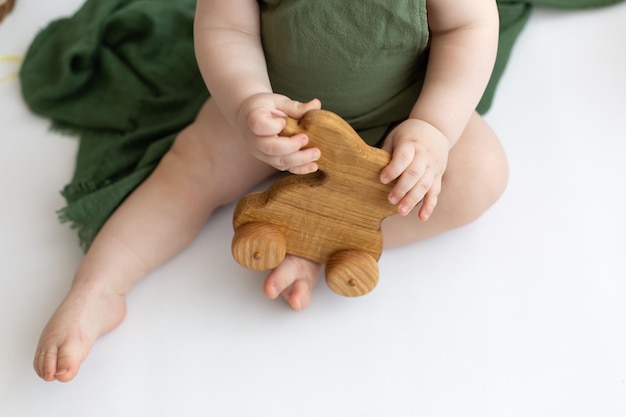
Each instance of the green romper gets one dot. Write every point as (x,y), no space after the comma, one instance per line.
(365,63)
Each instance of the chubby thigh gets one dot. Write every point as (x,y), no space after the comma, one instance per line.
(215,159)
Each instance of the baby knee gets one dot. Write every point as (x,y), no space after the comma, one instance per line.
(495,179)
(489,185)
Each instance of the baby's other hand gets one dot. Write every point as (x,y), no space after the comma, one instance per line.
(260,121)
(419,155)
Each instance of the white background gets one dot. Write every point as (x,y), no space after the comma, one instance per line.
(519,314)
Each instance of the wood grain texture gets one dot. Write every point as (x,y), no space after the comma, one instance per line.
(339,208)
(351,273)
(263,246)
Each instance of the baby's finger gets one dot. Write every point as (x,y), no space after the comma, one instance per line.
(296,109)
(416,194)
(400,160)
(409,179)
(281,145)
(265,123)
(300,162)
(304,169)
(430,201)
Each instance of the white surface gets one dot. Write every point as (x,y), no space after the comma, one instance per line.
(520,314)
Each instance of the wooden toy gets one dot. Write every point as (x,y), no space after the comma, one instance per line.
(331,217)
(5,8)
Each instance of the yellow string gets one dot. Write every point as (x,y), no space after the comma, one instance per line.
(10,58)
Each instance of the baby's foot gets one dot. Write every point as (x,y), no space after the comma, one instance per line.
(87,312)
(294,278)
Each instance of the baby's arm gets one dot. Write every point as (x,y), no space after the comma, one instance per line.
(464,38)
(230,57)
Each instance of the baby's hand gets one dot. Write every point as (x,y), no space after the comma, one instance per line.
(260,121)
(419,155)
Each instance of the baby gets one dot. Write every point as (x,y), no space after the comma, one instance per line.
(405,79)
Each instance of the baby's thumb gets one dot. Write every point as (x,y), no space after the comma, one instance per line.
(296,110)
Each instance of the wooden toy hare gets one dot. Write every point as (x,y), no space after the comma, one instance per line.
(331,217)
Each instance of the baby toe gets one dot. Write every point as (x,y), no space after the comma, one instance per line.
(57,363)
(280,279)
(67,363)
(299,295)
(38,363)
(46,364)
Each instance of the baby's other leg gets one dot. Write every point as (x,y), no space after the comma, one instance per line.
(206,167)
(476,176)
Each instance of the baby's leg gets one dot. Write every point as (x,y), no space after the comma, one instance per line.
(476,176)
(206,167)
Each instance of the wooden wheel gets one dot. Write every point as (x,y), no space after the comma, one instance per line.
(351,273)
(259,246)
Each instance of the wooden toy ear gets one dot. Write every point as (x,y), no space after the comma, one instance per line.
(5,8)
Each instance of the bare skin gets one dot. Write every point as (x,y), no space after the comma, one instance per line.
(448,165)
(474,180)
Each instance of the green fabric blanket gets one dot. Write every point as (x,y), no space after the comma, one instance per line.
(121,75)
